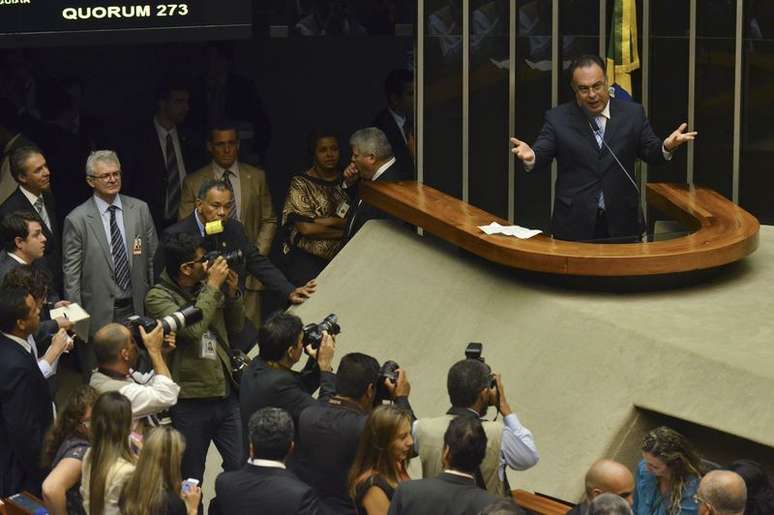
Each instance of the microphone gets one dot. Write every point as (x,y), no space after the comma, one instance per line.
(597,130)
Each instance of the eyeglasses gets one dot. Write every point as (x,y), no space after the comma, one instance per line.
(585,91)
(107,176)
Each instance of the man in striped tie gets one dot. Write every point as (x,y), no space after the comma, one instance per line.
(109,243)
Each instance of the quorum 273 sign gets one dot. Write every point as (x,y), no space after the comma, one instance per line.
(93,21)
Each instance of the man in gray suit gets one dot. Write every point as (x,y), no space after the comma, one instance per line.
(109,243)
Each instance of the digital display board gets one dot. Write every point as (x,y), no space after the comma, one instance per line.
(63,22)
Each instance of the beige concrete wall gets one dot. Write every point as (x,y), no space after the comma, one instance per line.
(574,363)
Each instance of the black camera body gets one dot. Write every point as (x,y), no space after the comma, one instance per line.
(232,257)
(170,323)
(313,333)
(389,370)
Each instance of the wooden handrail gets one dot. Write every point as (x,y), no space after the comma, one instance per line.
(722,232)
(538,504)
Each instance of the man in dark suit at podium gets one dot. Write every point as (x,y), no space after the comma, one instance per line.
(397,119)
(595,140)
(372,160)
(33,195)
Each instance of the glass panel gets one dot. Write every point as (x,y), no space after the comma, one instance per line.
(715,94)
(756,181)
(443,96)
(669,81)
(579,34)
(488,177)
(533,98)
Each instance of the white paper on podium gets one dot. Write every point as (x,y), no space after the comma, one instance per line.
(77,315)
(509,230)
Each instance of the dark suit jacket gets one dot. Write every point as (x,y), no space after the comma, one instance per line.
(47,326)
(52,259)
(263,386)
(267,490)
(385,121)
(25,416)
(361,212)
(585,170)
(326,442)
(233,237)
(146,169)
(447,493)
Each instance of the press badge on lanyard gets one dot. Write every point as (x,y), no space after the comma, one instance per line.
(207,346)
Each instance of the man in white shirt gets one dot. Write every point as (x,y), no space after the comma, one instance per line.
(117,354)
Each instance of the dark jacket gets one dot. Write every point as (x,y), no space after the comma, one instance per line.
(585,169)
(264,385)
(233,237)
(146,168)
(386,122)
(267,490)
(198,377)
(361,212)
(447,493)
(26,413)
(52,258)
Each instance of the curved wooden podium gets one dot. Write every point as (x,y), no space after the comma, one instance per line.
(722,232)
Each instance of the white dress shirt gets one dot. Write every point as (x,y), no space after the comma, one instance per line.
(383,168)
(235,183)
(400,121)
(33,199)
(266,463)
(104,213)
(162,132)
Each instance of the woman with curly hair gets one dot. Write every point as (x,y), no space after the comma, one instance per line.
(668,475)
(155,486)
(64,447)
(760,492)
(381,459)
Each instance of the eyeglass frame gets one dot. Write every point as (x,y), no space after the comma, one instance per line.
(597,87)
(700,500)
(105,176)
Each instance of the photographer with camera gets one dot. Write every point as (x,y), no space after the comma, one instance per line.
(270,380)
(472,389)
(328,432)
(117,353)
(207,408)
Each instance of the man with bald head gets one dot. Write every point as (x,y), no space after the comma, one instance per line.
(606,476)
(721,492)
(117,353)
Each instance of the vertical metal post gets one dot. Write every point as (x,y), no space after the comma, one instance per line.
(465,99)
(645,87)
(556,69)
(420,92)
(512,109)
(602,28)
(737,101)
(691,85)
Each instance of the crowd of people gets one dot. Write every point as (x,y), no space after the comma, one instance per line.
(189,250)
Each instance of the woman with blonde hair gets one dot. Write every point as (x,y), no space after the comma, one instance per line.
(109,463)
(382,456)
(668,475)
(156,485)
(64,447)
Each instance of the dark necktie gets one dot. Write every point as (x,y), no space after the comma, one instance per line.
(118,249)
(173,181)
(40,207)
(227,179)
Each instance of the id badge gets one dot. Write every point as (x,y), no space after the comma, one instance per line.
(342,210)
(207,346)
(137,247)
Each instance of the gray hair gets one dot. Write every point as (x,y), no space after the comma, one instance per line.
(725,491)
(17,161)
(609,504)
(209,184)
(271,433)
(101,156)
(372,141)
